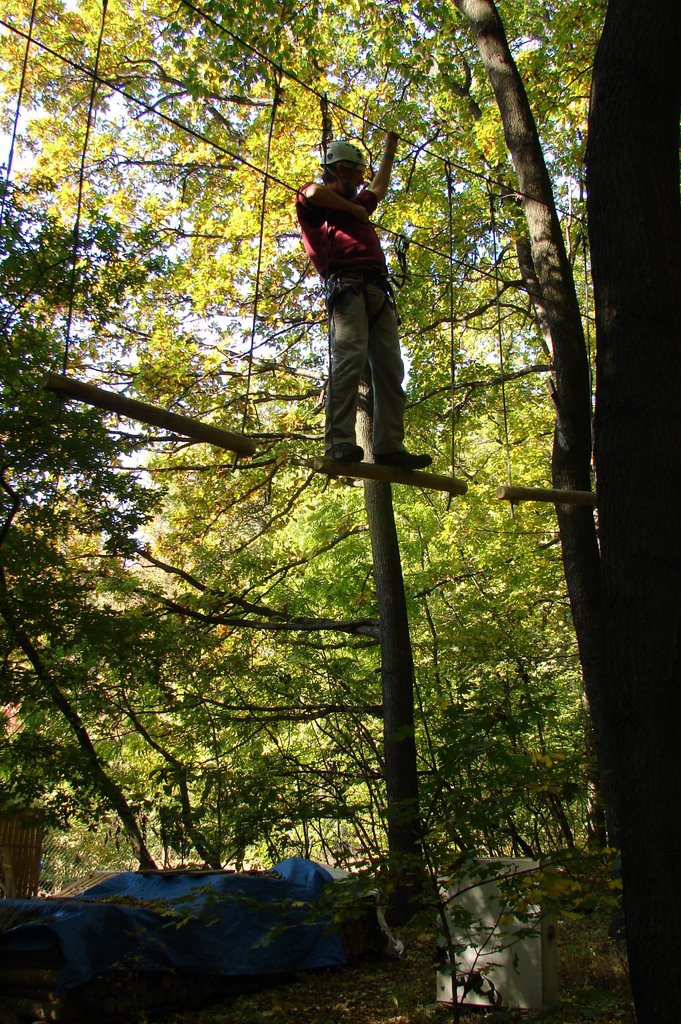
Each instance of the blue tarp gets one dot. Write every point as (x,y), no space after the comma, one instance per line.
(219,924)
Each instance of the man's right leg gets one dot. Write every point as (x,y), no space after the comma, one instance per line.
(349,338)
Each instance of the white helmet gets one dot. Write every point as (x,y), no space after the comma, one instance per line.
(340,151)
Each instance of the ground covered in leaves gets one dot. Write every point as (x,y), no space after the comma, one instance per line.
(594,988)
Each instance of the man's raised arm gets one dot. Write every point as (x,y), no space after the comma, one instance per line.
(379,185)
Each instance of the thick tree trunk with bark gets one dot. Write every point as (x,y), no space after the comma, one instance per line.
(635,229)
(571,464)
(397,680)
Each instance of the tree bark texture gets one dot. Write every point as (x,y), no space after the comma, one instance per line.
(397,680)
(571,461)
(635,229)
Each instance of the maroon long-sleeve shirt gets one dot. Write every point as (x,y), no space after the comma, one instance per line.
(335,240)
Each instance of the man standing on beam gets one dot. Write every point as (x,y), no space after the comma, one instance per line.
(346,252)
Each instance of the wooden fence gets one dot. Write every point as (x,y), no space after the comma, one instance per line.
(20,852)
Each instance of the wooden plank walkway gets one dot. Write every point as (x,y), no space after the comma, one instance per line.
(390,475)
(557,497)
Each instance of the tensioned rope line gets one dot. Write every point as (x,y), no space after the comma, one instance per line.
(101,80)
(500,339)
(261,237)
(17,114)
(81,183)
(339,106)
(327,127)
(450,297)
(202,137)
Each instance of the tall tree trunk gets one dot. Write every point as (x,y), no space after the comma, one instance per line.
(635,229)
(397,680)
(571,463)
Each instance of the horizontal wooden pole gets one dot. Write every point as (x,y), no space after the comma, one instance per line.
(390,475)
(145,413)
(557,497)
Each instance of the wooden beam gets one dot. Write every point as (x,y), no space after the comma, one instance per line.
(145,413)
(513,494)
(390,475)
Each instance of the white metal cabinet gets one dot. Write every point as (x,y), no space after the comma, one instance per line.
(501,964)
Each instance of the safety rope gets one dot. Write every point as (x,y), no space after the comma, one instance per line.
(401,251)
(17,113)
(450,295)
(219,147)
(327,127)
(500,339)
(276,99)
(81,184)
(326,140)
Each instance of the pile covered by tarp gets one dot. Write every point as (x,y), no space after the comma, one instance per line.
(212,923)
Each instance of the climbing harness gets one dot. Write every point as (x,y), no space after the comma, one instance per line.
(357,281)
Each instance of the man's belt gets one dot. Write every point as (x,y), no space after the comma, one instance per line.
(338,280)
(363,275)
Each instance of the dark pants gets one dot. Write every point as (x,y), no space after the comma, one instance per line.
(363,328)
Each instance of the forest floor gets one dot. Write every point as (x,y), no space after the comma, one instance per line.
(593,987)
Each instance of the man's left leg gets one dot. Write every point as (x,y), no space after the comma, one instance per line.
(387,374)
